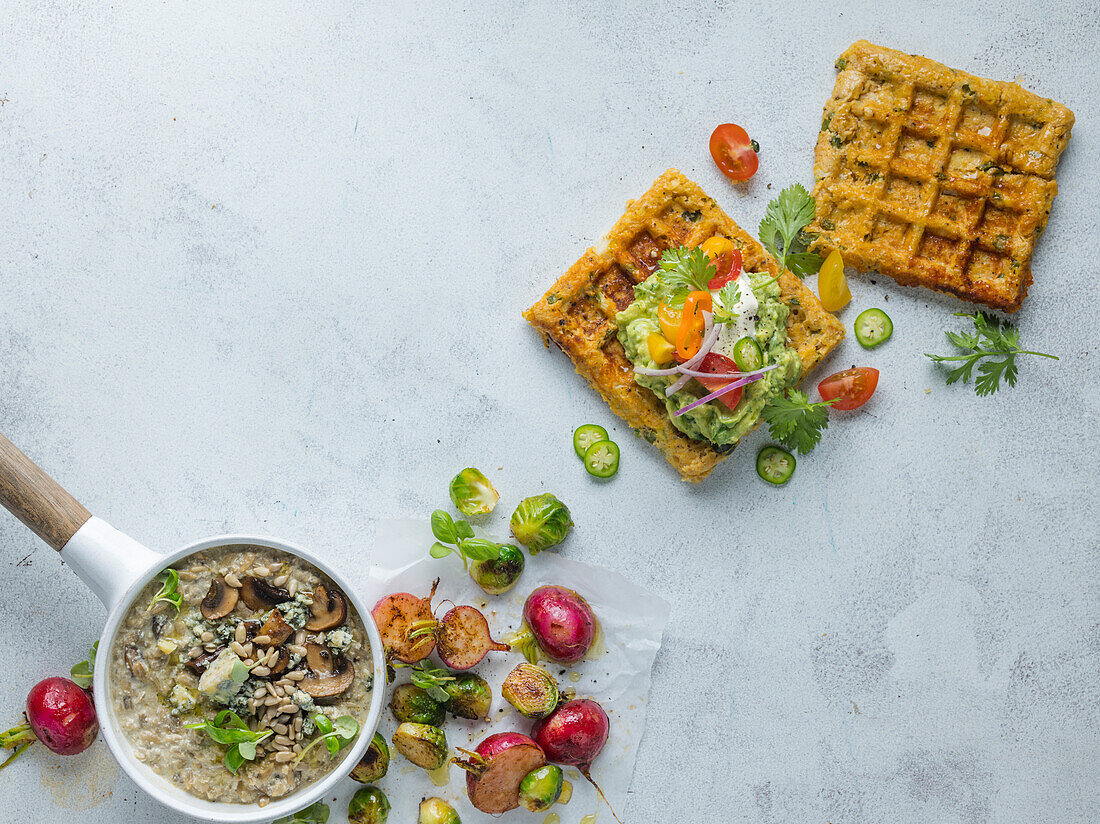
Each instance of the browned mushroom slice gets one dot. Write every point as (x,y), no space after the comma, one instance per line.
(199,663)
(251,629)
(219,601)
(135,662)
(329,674)
(260,595)
(329,609)
(275,630)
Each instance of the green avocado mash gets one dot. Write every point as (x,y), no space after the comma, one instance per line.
(713,421)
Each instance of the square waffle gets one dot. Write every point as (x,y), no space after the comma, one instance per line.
(578,313)
(936,177)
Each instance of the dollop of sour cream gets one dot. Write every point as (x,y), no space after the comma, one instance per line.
(745,325)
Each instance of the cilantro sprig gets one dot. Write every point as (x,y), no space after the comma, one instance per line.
(781,231)
(992,347)
(796,422)
(728,296)
(169,590)
(229,729)
(682,270)
(457,538)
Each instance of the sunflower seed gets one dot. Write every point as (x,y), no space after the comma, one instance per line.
(233,581)
(284,756)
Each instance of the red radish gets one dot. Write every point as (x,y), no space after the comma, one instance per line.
(462,637)
(573,735)
(560,622)
(395,616)
(59,714)
(494,771)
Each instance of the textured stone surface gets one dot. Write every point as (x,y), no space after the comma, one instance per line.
(262,271)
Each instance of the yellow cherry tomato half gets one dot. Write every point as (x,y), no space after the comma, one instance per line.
(832,286)
(660,349)
(692,326)
(669,320)
(717,245)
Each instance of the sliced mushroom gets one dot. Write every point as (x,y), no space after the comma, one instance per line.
(260,595)
(199,663)
(275,629)
(219,600)
(159,622)
(329,674)
(329,609)
(281,663)
(134,662)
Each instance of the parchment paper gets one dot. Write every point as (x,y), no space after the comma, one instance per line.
(617,672)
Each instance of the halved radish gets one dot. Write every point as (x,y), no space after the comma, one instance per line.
(395,616)
(461,637)
(494,771)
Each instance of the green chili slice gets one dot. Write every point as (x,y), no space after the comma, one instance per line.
(873,327)
(775,465)
(586,435)
(602,459)
(748,355)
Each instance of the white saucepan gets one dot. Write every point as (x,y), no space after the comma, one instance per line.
(116,568)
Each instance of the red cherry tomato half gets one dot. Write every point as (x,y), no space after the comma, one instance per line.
(852,388)
(728,266)
(732,152)
(720,365)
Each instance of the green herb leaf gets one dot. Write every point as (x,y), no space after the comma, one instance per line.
(781,230)
(682,270)
(796,422)
(992,347)
(431,680)
(169,590)
(82,673)
(443,527)
(439,550)
(463,529)
(479,549)
(728,296)
(316,813)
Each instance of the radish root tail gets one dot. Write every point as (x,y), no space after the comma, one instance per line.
(603,797)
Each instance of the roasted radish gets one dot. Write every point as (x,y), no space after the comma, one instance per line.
(59,714)
(495,770)
(395,615)
(461,637)
(573,735)
(559,623)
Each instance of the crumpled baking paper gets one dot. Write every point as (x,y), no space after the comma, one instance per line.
(617,673)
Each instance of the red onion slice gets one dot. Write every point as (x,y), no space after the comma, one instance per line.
(718,393)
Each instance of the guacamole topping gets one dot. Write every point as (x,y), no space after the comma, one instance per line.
(713,421)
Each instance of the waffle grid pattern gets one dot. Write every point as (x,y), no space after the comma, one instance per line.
(936,177)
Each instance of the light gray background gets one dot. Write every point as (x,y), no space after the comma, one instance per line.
(261,269)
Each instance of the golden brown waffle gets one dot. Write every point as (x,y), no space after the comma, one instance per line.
(936,177)
(578,313)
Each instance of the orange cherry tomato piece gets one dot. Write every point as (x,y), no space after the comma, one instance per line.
(668,319)
(851,388)
(689,337)
(720,365)
(733,153)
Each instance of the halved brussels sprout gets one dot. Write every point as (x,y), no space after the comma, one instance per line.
(368,806)
(540,789)
(498,575)
(469,696)
(422,744)
(472,493)
(374,763)
(531,690)
(437,811)
(541,521)
(411,703)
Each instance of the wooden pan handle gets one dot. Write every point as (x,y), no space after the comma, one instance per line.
(36,499)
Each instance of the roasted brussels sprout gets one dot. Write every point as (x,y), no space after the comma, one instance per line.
(469,696)
(422,744)
(531,690)
(541,521)
(374,763)
(437,811)
(411,703)
(498,575)
(368,806)
(472,494)
(540,788)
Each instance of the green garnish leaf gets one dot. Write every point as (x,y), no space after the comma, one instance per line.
(479,549)
(461,535)
(229,730)
(430,679)
(439,550)
(463,529)
(781,230)
(729,296)
(316,813)
(796,422)
(82,673)
(992,347)
(682,270)
(443,527)
(169,590)
(335,734)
